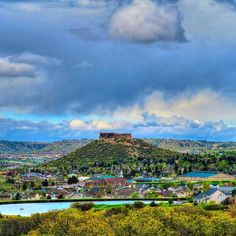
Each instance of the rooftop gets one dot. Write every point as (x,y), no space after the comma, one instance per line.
(147,179)
(207,193)
(103,177)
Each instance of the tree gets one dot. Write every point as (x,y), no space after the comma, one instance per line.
(72,180)
(135,195)
(152,194)
(170,201)
(32,184)
(60,196)
(16,196)
(24,186)
(45,183)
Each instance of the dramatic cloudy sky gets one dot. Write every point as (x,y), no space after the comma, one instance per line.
(156,68)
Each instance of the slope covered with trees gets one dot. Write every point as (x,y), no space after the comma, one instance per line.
(136,157)
(101,156)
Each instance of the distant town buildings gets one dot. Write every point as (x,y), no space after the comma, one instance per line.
(105,180)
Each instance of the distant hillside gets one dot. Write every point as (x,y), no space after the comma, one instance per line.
(191,146)
(65,146)
(17,147)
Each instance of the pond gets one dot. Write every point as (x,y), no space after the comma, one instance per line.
(26,209)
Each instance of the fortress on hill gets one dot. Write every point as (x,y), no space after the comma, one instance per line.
(115,136)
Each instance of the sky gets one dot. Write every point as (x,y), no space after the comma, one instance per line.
(156,68)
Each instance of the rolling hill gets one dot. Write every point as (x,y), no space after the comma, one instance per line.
(64,146)
(191,146)
(67,146)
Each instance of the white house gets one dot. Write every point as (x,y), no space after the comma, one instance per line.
(211,195)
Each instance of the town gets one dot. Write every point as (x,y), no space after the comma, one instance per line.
(37,183)
(193,186)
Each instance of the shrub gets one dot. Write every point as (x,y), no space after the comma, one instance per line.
(60,196)
(72,180)
(139,205)
(215,207)
(83,206)
(170,201)
(153,204)
(117,211)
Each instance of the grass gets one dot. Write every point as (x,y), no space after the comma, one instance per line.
(100,207)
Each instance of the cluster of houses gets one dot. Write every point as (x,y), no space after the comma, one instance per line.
(100,186)
(107,186)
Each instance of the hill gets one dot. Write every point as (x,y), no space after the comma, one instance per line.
(110,157)
(136,157)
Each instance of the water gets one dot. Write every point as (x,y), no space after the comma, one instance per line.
(26,209)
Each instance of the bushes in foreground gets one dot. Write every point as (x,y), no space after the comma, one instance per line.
(124,221)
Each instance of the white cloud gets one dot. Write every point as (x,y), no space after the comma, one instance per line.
(24,64)
(179,127)
(208,19)
(10,68)
(151,125)
(77,124)
(22,78)
(29,7)
(84,64)
(93,125)
(91,3)
(203,105)
(35,59)
(146,21)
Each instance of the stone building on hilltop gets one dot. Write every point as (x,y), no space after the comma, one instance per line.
(115,136)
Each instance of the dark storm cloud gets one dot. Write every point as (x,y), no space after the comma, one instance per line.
(123,73)
(87,34)
(26,130)
(231,2)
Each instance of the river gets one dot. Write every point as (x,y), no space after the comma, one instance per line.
(26,209)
